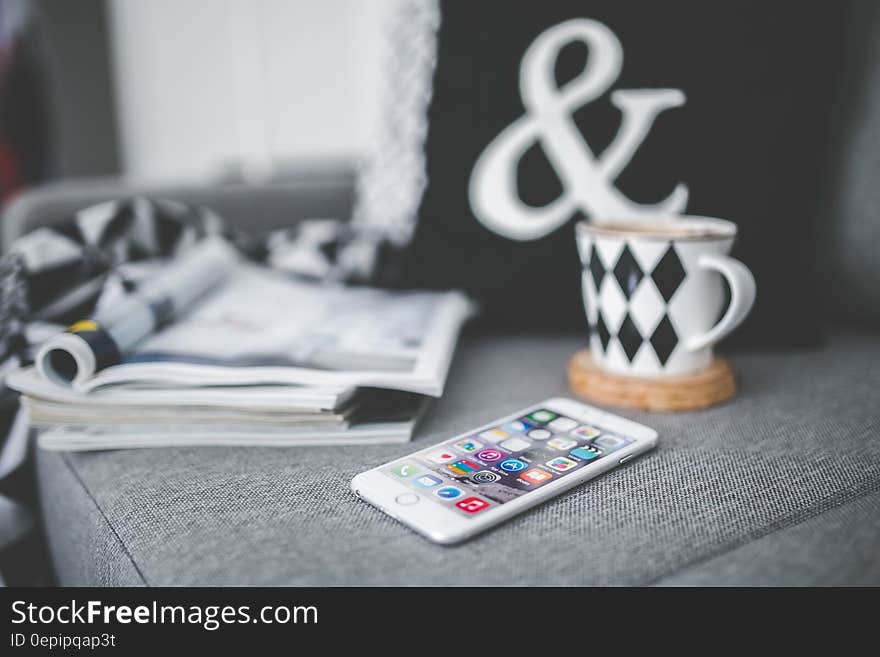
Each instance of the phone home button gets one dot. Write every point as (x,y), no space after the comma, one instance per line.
(407,499)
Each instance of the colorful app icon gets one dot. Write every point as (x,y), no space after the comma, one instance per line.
(536,476)
(543,416)
(561,464)
(449,492)
(472,504)
(539,434)
(468,445)
(562,424)
(494,435)
(490,455)
(463,467)
(586,432)
(516,444)
(441,456)
(610,443)
(404,470)
(485,477)
(586,453)
(517,426)
(561,443)
(428,481)
(512,465)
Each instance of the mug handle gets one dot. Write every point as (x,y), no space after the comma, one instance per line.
(742,296)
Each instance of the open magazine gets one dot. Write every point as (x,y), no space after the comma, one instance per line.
(235,323)
(211,349)
(261,328)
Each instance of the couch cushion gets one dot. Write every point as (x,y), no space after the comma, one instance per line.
(801,439)
(837,548)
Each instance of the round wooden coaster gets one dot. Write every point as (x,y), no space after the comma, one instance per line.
(681,393)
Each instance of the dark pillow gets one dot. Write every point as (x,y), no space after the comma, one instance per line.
(745,145)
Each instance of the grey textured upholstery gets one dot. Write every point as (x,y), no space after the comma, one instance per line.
(796,455)
(69,508)
(836,548)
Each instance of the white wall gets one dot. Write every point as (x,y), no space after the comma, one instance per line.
(201,83)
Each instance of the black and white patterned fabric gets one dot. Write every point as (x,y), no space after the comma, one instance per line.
(310,250)
(637,301)
(56,274)
(13,300)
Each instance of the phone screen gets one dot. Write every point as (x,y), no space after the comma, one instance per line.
(498,464)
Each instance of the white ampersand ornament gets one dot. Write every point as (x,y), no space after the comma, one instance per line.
(587,180)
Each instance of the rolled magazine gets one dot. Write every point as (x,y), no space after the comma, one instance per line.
(93,344)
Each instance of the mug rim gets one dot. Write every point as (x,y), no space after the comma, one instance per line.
(628,228)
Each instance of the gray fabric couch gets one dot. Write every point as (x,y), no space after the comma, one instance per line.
(781,486)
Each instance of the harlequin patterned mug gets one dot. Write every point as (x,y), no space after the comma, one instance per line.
(653,292)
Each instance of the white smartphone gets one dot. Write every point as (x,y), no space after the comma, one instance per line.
(457,488)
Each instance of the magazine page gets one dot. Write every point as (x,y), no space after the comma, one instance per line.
(281,398)
(260,327)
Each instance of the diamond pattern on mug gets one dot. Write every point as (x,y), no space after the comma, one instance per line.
(597,269)
(648,253)
(629,337)
(602,331)
(646,307)
(589,295)
(628,272)
(646,360)
(609,250)
(615,357)
(668,274)
(664,339)
(612,303)
(636,301)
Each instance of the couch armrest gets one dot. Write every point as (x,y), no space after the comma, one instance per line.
(253,208)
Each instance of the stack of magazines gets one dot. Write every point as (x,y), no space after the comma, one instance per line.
(213,350)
